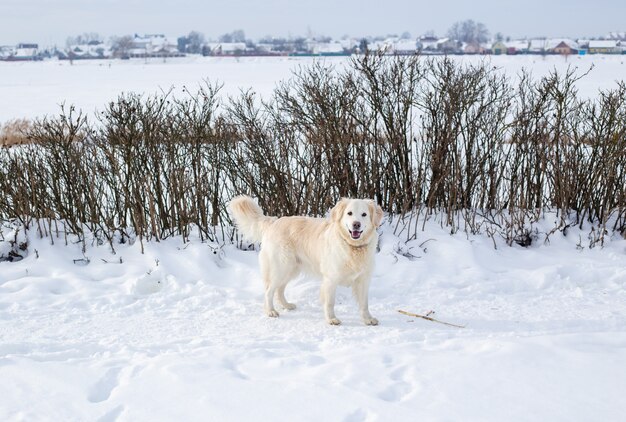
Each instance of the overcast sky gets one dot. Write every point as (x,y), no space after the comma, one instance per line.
(52,21)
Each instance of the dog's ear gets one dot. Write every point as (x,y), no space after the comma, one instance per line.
(376,212)
(338,209)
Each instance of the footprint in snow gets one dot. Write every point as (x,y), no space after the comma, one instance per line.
(112,415)
(360,415)
(399,388)
(395,392)
(102,389)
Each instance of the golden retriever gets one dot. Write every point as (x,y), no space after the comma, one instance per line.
(339,250)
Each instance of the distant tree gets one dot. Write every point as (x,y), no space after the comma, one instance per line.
(429,34)
(239,36)
(499,37)
(236,36)
(363,45)
(406,35)
(469,32)
(226,38)
(192,43)
(299,44)
(121,45)
(195,41)
(181,44)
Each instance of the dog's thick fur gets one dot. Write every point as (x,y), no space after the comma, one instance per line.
(339,249)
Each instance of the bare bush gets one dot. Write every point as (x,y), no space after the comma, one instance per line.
(424,137)
(14,132)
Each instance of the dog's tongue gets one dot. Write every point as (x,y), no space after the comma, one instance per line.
(355,234)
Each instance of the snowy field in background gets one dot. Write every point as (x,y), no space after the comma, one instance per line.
(178,333)
(34,89)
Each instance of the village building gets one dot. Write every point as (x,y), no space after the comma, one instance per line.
(427,44)
(327,49)
(91,50)
(603,47)
(225,48)
(21,52)
(517,47)
(566,48)
(405,47)
(499,48)
(153,45)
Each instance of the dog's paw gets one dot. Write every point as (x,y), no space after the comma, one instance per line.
(334,321)
(370,321)
(289,306)
(273,313)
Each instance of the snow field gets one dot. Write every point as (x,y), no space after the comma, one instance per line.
(178,333)
(35,89)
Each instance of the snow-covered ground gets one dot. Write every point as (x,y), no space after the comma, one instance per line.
(34,89)
(178,333)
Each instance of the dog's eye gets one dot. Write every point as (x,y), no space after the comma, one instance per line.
(364,214)
(349,212)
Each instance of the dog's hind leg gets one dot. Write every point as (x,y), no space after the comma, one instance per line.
(270,285)
(277,271)
(280,294)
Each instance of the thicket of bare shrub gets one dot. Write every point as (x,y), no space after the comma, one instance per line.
(425,137)
(14,132)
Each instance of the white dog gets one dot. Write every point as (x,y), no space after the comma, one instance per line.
(340,250)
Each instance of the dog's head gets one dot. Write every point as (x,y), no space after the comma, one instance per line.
(356,219)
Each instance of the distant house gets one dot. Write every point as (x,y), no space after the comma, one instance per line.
(349,44)
(5,51)
(517,47)
(617,36)
(20,52)
(447,45)
(583,43)
(385,46)
(396,46)
(91,50)
(405,47)
(603,47)
(540,46)
(225,48)
(550,45)
(472,48)
(566,48)
(499,48)
(427,44)
(327,49)
(153,45)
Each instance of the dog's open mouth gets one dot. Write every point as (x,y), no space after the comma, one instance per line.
(355,234)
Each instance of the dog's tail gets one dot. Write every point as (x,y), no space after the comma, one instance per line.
(249,217)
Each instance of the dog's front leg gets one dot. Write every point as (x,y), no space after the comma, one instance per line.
(269,301)
(361,292)
(329,289)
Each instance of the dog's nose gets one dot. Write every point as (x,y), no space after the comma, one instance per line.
(356,225)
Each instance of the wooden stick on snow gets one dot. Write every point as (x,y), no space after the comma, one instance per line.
(430,319)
